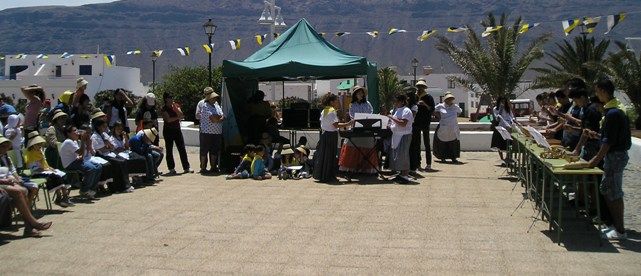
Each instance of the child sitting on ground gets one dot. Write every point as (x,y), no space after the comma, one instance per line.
(301,154)
(244,168)
(258,169)
(288,160)
(36,162)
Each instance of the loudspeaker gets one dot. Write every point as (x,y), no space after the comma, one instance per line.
(314,118)
(300,105)
(295,118)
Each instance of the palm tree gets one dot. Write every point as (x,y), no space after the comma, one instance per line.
(573,61)
(388,86)
(495,65)
(625,69)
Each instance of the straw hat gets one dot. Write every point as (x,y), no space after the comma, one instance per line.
(97,115)
(150,134)
(212,96)
(154,131)
(208,90)
(32,88)
(59,113)
(448,95)
(80,82)
(302,150)
(287,149)
(356,88)
(35,139)
(151,99)
(421,83)
(4,140)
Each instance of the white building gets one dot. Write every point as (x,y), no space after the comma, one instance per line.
(57,74)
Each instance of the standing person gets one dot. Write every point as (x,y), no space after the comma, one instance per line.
(258,111)
(503,117)
(118,109)
(36,96)
(171,115)
(81,113)
(446,140)
(401,125)
(73,155)
(81,87)
(13,132)
(203,102)
(211,130)
(147,111)
(5,110)
(350,158)
(64,102)
(325,156)
(615,142)
(421,125)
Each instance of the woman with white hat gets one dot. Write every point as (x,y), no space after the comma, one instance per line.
(446,139)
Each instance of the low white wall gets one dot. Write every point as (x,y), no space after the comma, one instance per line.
(635,152)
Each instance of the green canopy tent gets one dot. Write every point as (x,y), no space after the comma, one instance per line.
(300,53)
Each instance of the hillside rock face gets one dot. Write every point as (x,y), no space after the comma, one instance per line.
(121,26)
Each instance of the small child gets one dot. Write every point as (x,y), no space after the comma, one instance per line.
(245,166)
(258,169)
(36,162)
(301,154)
(288,159)
(12,132)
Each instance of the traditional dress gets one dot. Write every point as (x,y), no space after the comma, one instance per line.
(350,159)
(446,140)
(401,139)
(504,119)
(325,155)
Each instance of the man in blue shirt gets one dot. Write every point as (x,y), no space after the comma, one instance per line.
(142,144)
(615,142)
(6,110)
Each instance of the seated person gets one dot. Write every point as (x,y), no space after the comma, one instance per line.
(103,148)
(288,159)
(36,162)
(143,145)
(72,155)
(11,186)
(243,169)
(31,187)
(53,136)
(120,141)
(258,169)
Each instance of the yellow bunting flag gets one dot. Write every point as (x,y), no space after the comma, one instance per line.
(590,23)
(260,39)
(456,29)
(489,30)
(526,27)
(109,60)
(426,35)
(157,53)
(235,44)
(209,48)
(395,30)
(570,25)
(134,52)
(184,51)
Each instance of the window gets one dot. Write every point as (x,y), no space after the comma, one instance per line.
(13,70)
(85,70)
(451,84)
(58,71)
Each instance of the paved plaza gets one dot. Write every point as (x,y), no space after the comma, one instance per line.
(455,221)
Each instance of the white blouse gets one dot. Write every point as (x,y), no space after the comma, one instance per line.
(448,125)
(328,120)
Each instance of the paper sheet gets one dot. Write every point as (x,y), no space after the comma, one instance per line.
(504,133)
(538,137)
(384,119)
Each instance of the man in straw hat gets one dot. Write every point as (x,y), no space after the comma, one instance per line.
(199,107)
(9,184)
(81,87)
(446,138)
(421,125)
(211,130)
(143,145)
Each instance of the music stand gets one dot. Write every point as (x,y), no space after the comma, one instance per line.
(367,125)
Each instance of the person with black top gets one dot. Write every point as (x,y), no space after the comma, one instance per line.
(80,115)
(117,108)
(147,111)
(171,115)
(421,125)
(616,140)
(563,106)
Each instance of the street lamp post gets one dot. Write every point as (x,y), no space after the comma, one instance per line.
(210,29)
(414,66)
(154,57)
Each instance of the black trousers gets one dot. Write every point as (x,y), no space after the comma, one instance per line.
(415,147)
(118,171)
(172,136)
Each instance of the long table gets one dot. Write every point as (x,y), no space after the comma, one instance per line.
(541,176)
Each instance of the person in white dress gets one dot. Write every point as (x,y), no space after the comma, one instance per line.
(446,140)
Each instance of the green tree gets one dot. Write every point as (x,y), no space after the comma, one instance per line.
(104,97)
(186,84)
(625,69)
(388,86)
(578,60)
(494,64)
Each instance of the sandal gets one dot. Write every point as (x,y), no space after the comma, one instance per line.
(29,232)
(43,226)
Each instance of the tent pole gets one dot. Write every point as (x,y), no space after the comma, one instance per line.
(283,82)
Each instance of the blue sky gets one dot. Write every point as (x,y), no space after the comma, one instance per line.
(5,4)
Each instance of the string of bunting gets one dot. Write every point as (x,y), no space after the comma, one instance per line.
(589,25)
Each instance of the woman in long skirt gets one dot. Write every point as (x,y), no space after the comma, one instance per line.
(401,125)
(503,117)
(325,164)
(446,140)
(351,159)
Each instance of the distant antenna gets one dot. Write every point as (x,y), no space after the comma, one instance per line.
(629,43)
(98,50)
